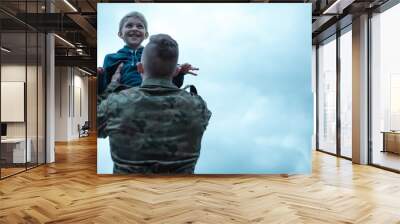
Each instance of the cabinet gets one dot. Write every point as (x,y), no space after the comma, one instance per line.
(391,142)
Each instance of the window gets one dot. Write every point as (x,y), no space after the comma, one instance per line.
(385,89)
(346,93)
(327,96)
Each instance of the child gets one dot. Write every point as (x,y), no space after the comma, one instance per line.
(132,30)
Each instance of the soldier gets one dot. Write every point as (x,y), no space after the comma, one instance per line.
(157,127)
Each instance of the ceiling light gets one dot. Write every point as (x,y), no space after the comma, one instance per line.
(64,40)
(79,51)
(86,72)
(70,5)
(5,50)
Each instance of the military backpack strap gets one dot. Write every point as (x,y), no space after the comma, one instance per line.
(192,89)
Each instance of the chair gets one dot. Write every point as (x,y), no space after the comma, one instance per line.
(84,130)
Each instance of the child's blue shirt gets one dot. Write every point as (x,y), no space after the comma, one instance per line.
(129,73)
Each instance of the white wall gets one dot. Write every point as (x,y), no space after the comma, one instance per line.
(12,73)
(71,93)
(17,72)
(81,89)
(61,103)
(33,127)
(12,101)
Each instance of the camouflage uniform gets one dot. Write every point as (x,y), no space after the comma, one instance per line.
(154,128)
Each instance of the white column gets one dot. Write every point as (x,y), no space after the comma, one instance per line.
(360,90)
(50,92)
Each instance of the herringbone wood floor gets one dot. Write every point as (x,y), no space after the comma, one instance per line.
(70,191)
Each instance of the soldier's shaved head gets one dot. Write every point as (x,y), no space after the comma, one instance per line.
(160,56)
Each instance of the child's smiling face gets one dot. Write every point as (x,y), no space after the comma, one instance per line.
(133,32)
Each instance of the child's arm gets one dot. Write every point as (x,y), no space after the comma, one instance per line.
(103,78)
(110,65)
(100,80)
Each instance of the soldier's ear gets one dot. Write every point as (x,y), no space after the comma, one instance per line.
(120,34)
(140,68)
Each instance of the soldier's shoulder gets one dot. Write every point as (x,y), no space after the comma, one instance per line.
(123,93)
(120,99)
(132,91)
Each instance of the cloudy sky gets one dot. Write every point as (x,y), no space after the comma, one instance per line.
(255,75)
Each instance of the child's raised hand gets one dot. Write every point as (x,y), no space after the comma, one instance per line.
(117,75)
(187,69)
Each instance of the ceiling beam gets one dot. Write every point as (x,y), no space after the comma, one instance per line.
(317,25)
(82,61)
(90,31)
(338,6)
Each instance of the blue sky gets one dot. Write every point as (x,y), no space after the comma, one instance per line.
(255,75)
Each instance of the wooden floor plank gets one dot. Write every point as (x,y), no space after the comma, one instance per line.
(70,191)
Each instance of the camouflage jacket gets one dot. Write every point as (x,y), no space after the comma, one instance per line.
(154,128)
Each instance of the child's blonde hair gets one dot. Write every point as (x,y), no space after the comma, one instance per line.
(134,14)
